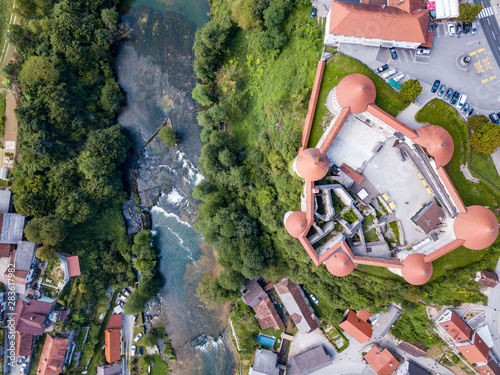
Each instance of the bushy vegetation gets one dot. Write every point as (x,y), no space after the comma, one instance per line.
(410,90)
(169,136)
(485,137)
(468,12)
(3,97)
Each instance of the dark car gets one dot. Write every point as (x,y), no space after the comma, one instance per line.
(393,52)
(435,86)
(471,112)
(494,118)
(467,27)
(140,351)
(465,108)
(314,12)
(380,69)
(459,28)
(442,90)
(455,97)
(449,94)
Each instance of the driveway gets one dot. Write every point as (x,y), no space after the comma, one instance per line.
(128,332)
(492,314)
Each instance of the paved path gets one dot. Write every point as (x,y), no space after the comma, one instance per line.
(492,315)
(128,332)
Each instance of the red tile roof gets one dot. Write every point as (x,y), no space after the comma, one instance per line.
(478,227)
(312,103)
(115,321)
(335,129)
(490,368)
(438,143)
(476,352)
(339,264)
(31,315)
(356,91)
(383,362)
(73,266)
(52,357)
(443,250)
(112,345)
(360,329)
(5,249)
(430,217)
(457,328)
(24,341)
(267,316)
(296,223)
(416,270)
(376,22)
(364,315)
(355,176)
(312,165)
(451,189)
(391,121)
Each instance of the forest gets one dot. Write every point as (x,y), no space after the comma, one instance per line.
(67,180)
(254,92)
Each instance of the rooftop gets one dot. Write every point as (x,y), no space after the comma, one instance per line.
(308,362)
(52,357)
(253,292)
(357,326)
(12,228)
(264,363)
(382,361)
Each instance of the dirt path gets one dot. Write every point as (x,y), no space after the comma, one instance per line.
(10,134)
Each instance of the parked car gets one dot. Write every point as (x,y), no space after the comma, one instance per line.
(314,12)
(455,97)
(442,90)
(24,366)
(467,27)
(389,73)
(465,108)
(399,77)
(314,299)
(138,337)
(494,118)
(393,52)
(459,28)
(473,29)
(140,351)
(380,69)
(132,350)
(435,86)
(471,112)
(134,318)
(423,51)
(451,29)
(126,292)
(449,94)
(461,101)
(121,304)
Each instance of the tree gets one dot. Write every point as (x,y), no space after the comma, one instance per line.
(231,280)
(469,12)
(110,18)
(486,139)
(169,136)
(242,13)
(476,122)
(38,70)
(111,97)
(410,90)
(201,95)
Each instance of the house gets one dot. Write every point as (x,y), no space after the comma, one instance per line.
(267,316)
(411,368)
(487,278)
(5,200)
(295,302)
(429,217)
(71,266)
(357,325)
(6,249)
(309,361)
(31,315)
(265,363)
(382,361)
(11,228)
(390,23)
(488,368)
(114,369)
(455,326)
(52,358)
(475,350)
(112,338)
(253,292)
(23,259)
(24,342)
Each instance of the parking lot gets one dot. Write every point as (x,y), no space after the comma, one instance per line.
(478,79)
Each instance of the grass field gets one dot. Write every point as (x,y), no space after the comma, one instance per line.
(337,68)
(483,165)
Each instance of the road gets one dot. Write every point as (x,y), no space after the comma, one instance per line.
(492,317)
(128,332)
(491,30)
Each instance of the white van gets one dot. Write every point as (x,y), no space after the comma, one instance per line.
(399,77)
(389,73)
(423,51)
(461,101)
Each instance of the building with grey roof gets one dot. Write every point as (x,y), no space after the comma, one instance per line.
(265,363)
(309,361)
(23,259)
(12,228)
(114,369)
(253,292)
(5,198)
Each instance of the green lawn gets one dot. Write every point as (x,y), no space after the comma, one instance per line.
(337,68)
(483,165)
(458,258)
(439,113)
(5,11)
(160,367)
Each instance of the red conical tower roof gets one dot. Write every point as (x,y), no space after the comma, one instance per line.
(295,223)
(339,264)
(437,141)
(356,91)
(312,165)
(415,270)
(478,227)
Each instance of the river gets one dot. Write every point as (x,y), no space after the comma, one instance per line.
(154,68)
